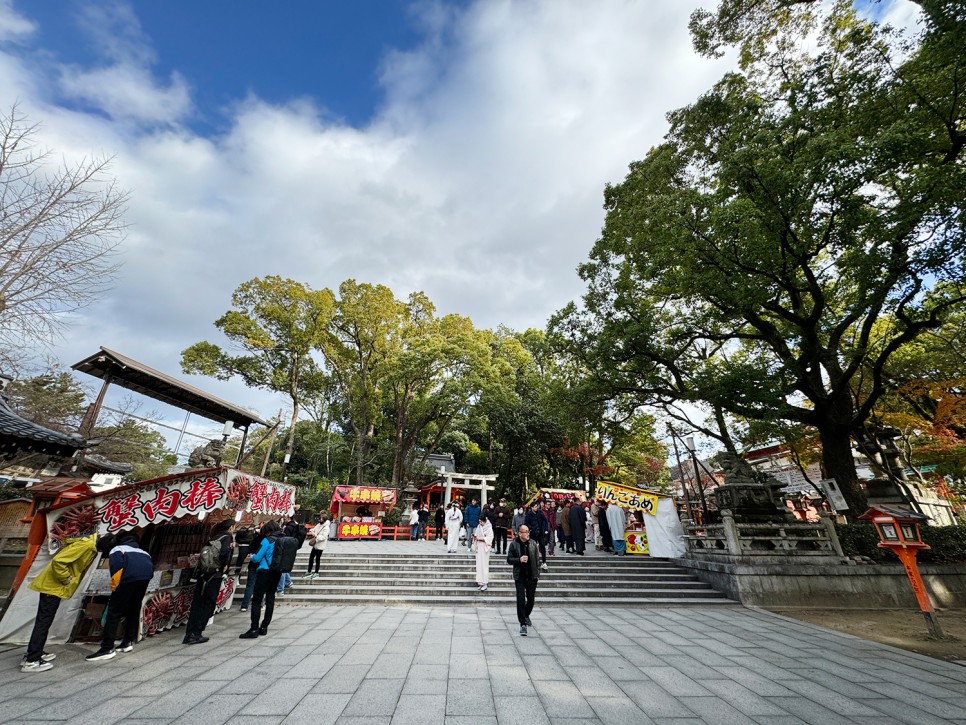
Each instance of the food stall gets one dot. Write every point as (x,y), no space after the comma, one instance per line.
(358,511)
(557,495)
(173,518)
(654,528)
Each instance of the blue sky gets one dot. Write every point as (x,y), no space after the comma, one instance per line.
(455,148)
(329,51)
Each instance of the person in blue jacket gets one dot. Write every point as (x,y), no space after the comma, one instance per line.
(265,583)
(131,570)
(471,519)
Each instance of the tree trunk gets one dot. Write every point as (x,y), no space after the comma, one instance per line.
(360,454)
(839,464)
(290,446)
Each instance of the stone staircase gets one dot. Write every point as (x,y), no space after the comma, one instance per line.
(449,579)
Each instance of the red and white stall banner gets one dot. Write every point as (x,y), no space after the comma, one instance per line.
(364,494)
(196,493)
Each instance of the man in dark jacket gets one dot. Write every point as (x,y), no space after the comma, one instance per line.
(471,519)
(578,527)
(440,522)
(522,556)
(294,529)
(423,515)
(131,569)
(604,526)
(207,587)
(502,516)
(537,526)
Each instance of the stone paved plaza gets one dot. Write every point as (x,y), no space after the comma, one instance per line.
(374,665)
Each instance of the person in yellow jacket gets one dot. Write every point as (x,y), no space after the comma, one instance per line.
(58,580)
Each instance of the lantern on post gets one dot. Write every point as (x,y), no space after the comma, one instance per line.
(898,529)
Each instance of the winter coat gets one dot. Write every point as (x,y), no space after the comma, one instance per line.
(440,516)
(321,534)
(537,524)
(578,522)
(423,516)
(263,557)
(515,550)
(565,520)
(414,517)
(518,521)
(129,563)
(502,516)
(62,576)
(472,515)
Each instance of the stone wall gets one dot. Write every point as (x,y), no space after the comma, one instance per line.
(829,586)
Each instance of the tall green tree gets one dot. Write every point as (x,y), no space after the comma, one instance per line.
(745,261)
(276,325)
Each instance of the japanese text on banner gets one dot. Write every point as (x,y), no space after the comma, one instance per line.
(614,493)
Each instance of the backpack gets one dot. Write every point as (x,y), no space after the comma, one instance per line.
(209,562)
(283,555)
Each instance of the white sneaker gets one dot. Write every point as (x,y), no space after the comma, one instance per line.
(544,567)
(38,666)
(48,657)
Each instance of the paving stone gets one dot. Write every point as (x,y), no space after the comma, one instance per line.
(318,709)
(545,667)
(511,681)
(593,682)
(280,698)
(374,698)
(655,701)
(742,699)
(468,698)
(419,709)
(619,710)
(674,681)
(562,699)
(516,710)
(342,678)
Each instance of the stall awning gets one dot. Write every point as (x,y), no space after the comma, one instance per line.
(133,375)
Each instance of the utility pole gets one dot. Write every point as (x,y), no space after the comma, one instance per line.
(271,445)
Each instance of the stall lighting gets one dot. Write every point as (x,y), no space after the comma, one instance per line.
(238,516)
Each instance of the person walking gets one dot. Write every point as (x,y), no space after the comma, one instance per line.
(567,528)
(519,517)
(589,524)
(131,569)
(440,522)
(454,520)
(549,512)
(317,540)
(607,544)
(471,519)
(561,538)
(595,517)
(266,583)
(522,556)
(205,600)
(502,515)
(295,530)
(243,542)
(578,528)
(252,569)
(537,526)
(414,525)
(57,581)
(616,521)
(482,543)
(423,523)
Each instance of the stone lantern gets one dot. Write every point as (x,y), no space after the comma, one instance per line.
(409,498)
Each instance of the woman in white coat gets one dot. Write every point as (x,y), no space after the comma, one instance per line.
(318,539)
(454,522)
(482,543)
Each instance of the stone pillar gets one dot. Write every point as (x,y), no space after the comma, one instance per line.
(483,488)
(833,536)
(731,533)
(449,490)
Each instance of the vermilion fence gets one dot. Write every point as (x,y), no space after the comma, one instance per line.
(405,533)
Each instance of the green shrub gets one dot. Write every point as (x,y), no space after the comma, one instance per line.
(948,543)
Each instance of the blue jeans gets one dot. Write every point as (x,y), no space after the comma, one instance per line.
(414,532)
(249,587)
(285,581)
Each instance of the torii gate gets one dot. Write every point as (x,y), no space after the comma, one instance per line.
(467,478)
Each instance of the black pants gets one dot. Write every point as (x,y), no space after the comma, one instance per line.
(526,591)
(242,553)
(542,545)
(46,609)
(499,539)
(315,557)
(203,605)
(265,586)
(561,538)
(125,603)
(578,541)
(439,532)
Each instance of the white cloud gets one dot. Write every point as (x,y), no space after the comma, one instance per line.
(13,25)
(479,181)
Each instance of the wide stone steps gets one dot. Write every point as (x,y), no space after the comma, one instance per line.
(433,577)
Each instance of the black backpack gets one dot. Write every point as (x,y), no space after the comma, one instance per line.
(283,555)
(209,562)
